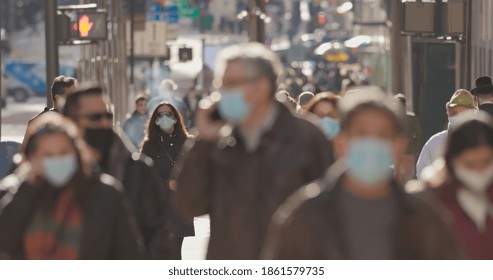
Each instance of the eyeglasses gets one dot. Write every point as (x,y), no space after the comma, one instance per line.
(96,117)
(168,114)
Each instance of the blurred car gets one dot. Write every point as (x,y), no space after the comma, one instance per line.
(27,78)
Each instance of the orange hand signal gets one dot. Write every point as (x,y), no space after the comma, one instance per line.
(85,26)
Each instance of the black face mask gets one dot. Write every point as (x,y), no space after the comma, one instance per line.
(99,138)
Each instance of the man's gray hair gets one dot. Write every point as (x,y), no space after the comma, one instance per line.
(259,60)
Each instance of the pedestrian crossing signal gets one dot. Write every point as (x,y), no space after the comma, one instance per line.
(91,26)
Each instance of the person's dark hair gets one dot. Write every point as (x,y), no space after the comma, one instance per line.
(72,101)
(153,131)
(328,97)
(60,84)
(369,98)
(473,130)
(53,123)
(259,60)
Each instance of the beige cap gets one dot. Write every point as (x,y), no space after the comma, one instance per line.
(462,97)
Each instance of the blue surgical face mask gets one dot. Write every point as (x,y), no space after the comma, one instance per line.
(329,126)
(232,106)
(165,123)
(59,170)
(452,121)
(369,160)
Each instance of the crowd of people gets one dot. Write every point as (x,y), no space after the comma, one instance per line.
(323,176)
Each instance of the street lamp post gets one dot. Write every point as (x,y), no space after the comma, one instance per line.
(256,25)
(52,66)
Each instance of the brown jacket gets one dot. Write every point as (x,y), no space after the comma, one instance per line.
(241,190)
(316,230)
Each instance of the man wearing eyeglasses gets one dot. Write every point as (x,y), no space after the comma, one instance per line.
(245,164)
(88,108)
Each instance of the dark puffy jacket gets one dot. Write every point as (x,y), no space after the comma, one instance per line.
(142,186)
(108,230)
(240,190)
(154,148)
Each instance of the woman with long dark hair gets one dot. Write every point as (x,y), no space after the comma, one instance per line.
(54,206)
(463,181)
(166,133)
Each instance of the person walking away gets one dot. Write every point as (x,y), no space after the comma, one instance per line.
(244,165)
(135,126)
(88,107)
(59,88)
(412,129)
(55,207)
(359,211)
(484,93)
(166,133)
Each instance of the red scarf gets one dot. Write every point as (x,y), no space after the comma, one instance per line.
(57,235)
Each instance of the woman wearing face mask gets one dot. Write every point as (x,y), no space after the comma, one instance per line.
(55,207)
(323,110)
(324,107)
(165,136)
(463,180)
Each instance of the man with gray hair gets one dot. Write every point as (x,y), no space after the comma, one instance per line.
(250,155)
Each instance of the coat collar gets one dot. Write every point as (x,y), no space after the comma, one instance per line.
(280,131)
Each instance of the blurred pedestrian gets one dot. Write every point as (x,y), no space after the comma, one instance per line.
(56,207)
(463,181)
(358,211)
(461,101)
(169,93)
(324,107)
(484,92)
(59,88)
(135,126)
(412,129)
(166,133)
(243,166)
(88,108)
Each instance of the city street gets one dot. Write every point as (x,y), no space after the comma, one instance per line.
(16,115)
(14,122)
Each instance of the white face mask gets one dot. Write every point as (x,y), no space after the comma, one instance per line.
(477,181)
(59,170)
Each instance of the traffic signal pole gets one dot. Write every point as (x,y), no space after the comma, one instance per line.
(52,66)
(256,26)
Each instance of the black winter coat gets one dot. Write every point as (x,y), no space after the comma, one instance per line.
(142,186)
(165,151)
(108,230)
